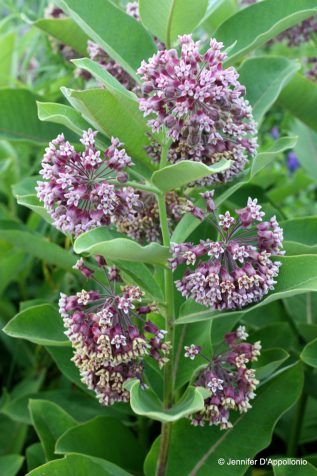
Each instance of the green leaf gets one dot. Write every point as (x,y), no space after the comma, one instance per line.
(201,448)
(306,469)
(12,436)
(269,361)
(167,19)
(261,22)
(39,324)
(298,275)
(50,421)
(96,242)
(10,464)
(19,121)
(7,48)
(115,114)
(79,465)
(123,38)
(299,97)
(101,74)
(36,245)
(66,31)
(217,12)
(198,334)
(69,117)
(145,402)
(81,406)
(189,223)
(300,235)
(264,77)
(34,456)
(306,148)
(103,437)
(309,354)
(62,357)
(174,176)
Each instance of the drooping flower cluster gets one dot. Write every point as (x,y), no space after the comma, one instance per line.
(109,345)
(201,106)
(79,192)
(229,379)
(144,227)
(237,269)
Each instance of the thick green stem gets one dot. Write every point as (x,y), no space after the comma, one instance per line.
(169,325)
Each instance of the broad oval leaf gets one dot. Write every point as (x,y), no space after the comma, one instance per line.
(300,235)
(89,438)
(123,38)
(50,421)
(10,464)
(66,31)
(309,354)
(167,19)
(19,121)
(201,448)
(174,176)
(69,117)
(269,361)
(39,324)
(96,242)
(299,97)
(115,114)
(264,77)
(306,469)
(306,147)
(146,403)
(35,244)
(261,22)
(79,465)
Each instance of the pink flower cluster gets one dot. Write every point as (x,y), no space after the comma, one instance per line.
(237,269)
(109,346)
(201,106)
(144,227)
(228,378)
(79,192)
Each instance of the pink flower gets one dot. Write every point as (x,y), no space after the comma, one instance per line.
(79,192)
(200,105)
(236,270)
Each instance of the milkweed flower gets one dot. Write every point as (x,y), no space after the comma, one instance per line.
(201,106)
(144,226)
(229,379)
(237,269)
(110,337)
(79,190)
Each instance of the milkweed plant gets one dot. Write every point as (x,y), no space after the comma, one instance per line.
(167,202)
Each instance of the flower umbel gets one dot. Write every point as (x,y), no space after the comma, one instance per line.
(237,269)
(229,380)
(201,106)
(110,337)
(80,192)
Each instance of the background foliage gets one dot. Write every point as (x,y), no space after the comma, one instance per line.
(50,424)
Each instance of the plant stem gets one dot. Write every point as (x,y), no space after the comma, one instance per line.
(169,325)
